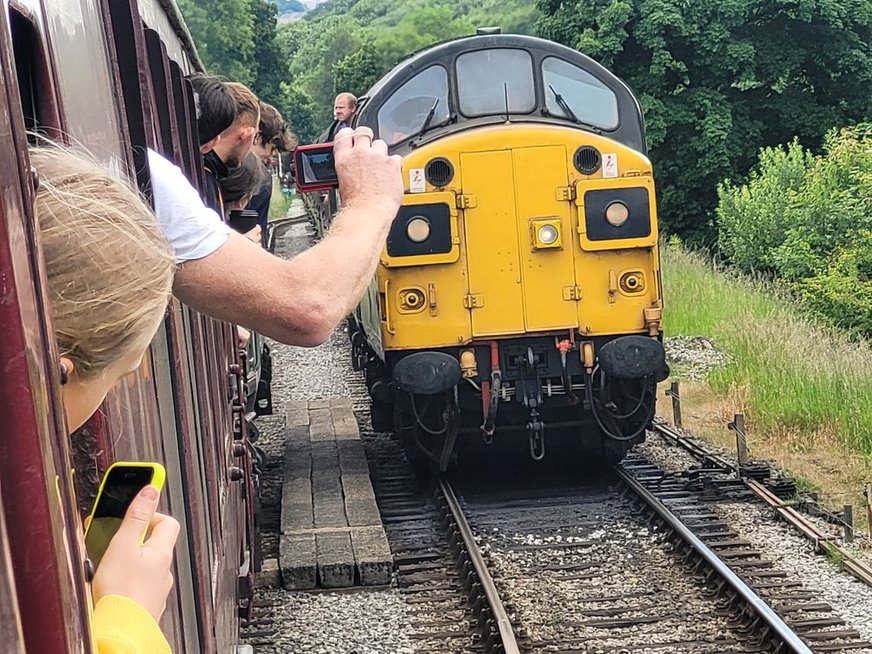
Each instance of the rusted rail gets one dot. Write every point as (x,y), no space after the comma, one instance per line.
(822,543)
(777,626)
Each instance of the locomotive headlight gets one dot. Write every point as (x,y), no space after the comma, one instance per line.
(546,233)
(418,229)
(617,213)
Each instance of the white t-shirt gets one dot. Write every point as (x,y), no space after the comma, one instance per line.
(193,229)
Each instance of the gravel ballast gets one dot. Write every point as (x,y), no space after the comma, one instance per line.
(286,622)
(364,621)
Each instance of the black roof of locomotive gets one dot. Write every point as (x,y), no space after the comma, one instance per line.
(630,129)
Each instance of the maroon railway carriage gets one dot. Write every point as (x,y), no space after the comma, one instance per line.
(109,74)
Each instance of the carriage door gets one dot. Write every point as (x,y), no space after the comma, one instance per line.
(518,280)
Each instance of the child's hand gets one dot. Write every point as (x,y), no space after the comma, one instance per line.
(137,570)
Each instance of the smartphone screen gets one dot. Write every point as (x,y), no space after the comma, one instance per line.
(119,487)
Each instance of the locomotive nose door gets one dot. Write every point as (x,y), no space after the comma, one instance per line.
(519,241)
(495,295)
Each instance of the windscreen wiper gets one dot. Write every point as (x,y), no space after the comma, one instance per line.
(428,119)
(564,105)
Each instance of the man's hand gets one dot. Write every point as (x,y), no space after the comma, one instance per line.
(242,336)
(137,570)
(300,302)
(368,177)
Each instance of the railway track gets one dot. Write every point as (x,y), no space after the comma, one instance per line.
(635,562)
(823,543)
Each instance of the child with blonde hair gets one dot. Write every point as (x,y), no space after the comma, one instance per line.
(110,274)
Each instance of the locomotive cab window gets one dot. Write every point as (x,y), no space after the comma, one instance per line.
(407,111)
(589,99)
(491,81)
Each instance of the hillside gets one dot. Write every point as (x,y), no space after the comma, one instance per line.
(516,16)
(289,9)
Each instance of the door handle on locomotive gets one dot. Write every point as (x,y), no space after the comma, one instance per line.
(388,327)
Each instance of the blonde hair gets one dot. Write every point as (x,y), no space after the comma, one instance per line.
(348,97)
(247,104)
(109,267)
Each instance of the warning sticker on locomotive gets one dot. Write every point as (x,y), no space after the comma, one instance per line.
(416,181)
(610,165)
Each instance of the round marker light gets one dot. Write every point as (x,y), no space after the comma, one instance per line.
(547,234)
(418,229)
(617,214)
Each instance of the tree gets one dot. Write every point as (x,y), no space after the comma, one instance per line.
(268,71)
(298,110)
(718,81)
(356,72)
(311,68)
(223,32)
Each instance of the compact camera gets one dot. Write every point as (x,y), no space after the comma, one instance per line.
(313,167)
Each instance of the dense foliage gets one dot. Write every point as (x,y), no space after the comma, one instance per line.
(808,220)
(236,39)
(719,80)
(346,45)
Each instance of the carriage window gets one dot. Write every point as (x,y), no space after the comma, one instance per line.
(488,80)
(34,88)
(406,111)
(589,99)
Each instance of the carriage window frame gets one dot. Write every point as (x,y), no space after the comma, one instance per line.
(442,114)
(550,103)
(501,108)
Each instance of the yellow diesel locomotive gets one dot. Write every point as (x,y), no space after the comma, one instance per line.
(518,297)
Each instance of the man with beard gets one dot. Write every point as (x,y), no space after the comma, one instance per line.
(234,143)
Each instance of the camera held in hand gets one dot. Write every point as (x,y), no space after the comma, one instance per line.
(314,169)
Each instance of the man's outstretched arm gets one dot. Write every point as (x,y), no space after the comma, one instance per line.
(301,301)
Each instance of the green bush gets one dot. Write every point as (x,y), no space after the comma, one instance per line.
(751,218)
(832,208)
(808,220)
(843,292)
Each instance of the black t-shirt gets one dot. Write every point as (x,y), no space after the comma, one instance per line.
(260,200)
(216,170)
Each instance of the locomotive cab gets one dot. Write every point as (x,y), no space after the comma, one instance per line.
(519,290)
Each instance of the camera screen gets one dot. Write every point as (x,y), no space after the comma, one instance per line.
(317,166)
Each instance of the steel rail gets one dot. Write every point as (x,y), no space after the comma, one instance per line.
(495,603)
(823,543)
(754,601)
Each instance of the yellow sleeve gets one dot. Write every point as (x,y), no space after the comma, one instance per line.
(121,626)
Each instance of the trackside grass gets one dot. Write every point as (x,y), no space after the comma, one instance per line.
(803,387)
(279,203)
